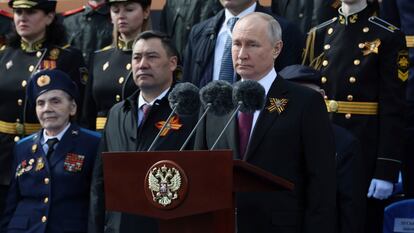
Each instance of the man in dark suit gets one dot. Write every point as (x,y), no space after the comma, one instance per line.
(206,54)
(290,137)
(49,191)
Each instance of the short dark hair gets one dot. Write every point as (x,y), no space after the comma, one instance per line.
(165,41)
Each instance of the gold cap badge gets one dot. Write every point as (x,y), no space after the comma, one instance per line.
(43,80)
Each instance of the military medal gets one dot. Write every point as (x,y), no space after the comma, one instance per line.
(54,54)
(371,47)
(39,164)
(278,105)
(73,162)
(174,124)
(34,148)
(105,66)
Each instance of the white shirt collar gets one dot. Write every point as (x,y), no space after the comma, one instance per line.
(142,101)
(59,136)
(267,80)
(229,15)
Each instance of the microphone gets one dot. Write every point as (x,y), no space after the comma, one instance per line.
(248,96)
(216,97)
(183,100)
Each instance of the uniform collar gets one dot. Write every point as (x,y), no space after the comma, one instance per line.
(32,47)
(124,45)
(351,18)
(58,136)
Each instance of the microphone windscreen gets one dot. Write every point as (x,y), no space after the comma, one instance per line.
(219,94)
(250,94)
(186,97)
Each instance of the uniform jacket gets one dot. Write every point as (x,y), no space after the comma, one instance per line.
(51,196)
(16,67)
(179,16)
(297,145)
(110,81)
(88,28)
(122,134)
(362,59)
(199,54)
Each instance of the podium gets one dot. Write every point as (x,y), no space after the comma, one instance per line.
(187,191)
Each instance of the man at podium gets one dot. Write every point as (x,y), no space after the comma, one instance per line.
(134,122)
(290,137)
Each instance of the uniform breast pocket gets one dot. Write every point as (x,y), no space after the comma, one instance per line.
(18,224)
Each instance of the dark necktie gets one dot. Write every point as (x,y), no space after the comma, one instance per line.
(226,68)
(245,121)
(51,142)
(145,109)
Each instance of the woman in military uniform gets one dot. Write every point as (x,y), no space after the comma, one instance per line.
(36,43)
(110,80)
(49,192)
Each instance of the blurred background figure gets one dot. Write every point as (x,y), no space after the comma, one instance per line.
(37,42)
(5,25)
(52,168)
(111,75)
(89,27)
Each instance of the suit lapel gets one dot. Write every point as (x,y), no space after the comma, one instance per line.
(65,145)
(232,136)
(266,118)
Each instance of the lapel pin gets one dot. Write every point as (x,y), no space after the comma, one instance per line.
(276,104)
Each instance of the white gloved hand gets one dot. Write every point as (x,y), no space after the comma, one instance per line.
(380,189)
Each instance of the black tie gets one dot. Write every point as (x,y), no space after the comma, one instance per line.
(51,142)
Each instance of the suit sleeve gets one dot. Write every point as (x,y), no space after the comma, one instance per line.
(13,198)
(320,167)
(391,110)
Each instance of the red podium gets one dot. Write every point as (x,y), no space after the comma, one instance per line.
(188,191)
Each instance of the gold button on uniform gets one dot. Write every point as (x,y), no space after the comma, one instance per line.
(31,68)
(324,79)
(365,29)
(330,30)
(333,106)
(121,80)
(24,83)
(16,138)
(325,62)
(361,45)
(352,79)
(46,180)
(348,116)
(38,54)
(325,97)
(357,62)
(327,46)
(46,200)
(128,66)
(118,98)
(349,97)
(44,219)
(19,102)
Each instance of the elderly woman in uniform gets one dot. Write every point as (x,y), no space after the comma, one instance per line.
(36,43)
(49,192)
(110,80)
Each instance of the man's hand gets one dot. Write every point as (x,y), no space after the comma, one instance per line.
(380,189)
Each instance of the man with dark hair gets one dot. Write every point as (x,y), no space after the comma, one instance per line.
(133,124)
(208,53)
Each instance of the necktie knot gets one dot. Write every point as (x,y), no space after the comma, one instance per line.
(231,22)
(145,110)
(51,142)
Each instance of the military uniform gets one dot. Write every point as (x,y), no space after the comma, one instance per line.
(364,66)
(51,195)
(5,24)
(110,82)
(89,28)
(17,65)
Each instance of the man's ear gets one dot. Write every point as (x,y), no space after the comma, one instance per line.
(277,48)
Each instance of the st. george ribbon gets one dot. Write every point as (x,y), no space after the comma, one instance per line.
(248,96)
(184,100)
(216,97)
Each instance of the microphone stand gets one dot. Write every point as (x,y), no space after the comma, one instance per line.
(196,126)
(227,125)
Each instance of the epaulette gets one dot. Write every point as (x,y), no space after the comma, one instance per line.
(383,24)
(324,24)
(25,139)
(6,13)
(74,11)
(92,133)
(104,48)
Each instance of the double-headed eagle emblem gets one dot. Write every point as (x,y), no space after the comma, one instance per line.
(164,184)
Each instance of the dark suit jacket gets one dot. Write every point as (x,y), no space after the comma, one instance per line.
(296,145)
(64,198)
(199,54)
